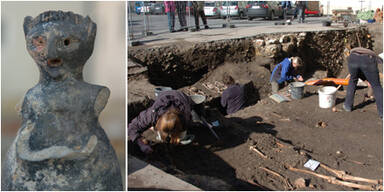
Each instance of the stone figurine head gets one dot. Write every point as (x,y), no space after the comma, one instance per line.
(60,43)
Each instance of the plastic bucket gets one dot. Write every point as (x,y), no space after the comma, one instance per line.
(158,90)
(297,90)
(327,96)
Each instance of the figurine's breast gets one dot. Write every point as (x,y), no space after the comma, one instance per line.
(64,111)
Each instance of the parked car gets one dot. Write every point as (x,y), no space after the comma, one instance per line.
(210,9)
(145,8)
(292,11)
(233,9)
(157,9)
(264,9)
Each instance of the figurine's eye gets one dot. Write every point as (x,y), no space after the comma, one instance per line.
(38,42)
(67,42)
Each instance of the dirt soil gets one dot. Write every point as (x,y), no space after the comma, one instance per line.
(288,134)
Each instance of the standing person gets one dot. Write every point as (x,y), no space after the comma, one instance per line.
(233,98)
(378,16)
(300,6)
(170,10)
(198,9)
(362,63)
(181,11)
(285,5)
(285,71)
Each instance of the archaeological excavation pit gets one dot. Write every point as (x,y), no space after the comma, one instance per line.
(285,133)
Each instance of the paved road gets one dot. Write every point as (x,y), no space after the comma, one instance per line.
(158,24)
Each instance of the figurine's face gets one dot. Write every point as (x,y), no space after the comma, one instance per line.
(60,48)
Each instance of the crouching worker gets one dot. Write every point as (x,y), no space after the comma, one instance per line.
(285,71)
(362,63)
(233,98)
(170,115)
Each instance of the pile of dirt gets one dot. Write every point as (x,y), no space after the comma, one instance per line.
(140,91)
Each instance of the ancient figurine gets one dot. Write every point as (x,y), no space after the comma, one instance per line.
(60,144)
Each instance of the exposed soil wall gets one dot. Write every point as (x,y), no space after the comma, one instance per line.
(183,64)
(177,66)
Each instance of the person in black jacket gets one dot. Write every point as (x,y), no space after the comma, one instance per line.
(198,9)
(181,9)
(233,98)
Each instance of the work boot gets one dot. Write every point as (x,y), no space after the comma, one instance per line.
(347,109)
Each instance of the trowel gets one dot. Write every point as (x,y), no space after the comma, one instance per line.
(205,122)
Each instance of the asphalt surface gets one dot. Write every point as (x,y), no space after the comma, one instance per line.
(158,24)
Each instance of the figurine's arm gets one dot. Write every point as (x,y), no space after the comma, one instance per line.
(101,100)
(54,152)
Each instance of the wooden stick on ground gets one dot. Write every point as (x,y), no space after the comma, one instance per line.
(338,87)
(276,114)
(333,180)
(281,145)
(253,148)
(286,182)
(356,162)
(344,176)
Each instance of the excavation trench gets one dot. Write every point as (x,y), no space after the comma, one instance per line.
(197,68)
(248,60)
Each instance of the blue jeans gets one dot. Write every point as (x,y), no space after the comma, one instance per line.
(171,21)
(301,15)
(364,67)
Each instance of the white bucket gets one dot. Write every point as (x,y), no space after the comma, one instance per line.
(327,97)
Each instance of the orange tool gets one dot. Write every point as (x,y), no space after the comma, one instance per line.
(328,80)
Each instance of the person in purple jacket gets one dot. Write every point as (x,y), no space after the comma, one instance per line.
(233,98)
(170,116)
(285,71)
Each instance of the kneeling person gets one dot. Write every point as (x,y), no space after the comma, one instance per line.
(233,98)
(285,71)
(170,115)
